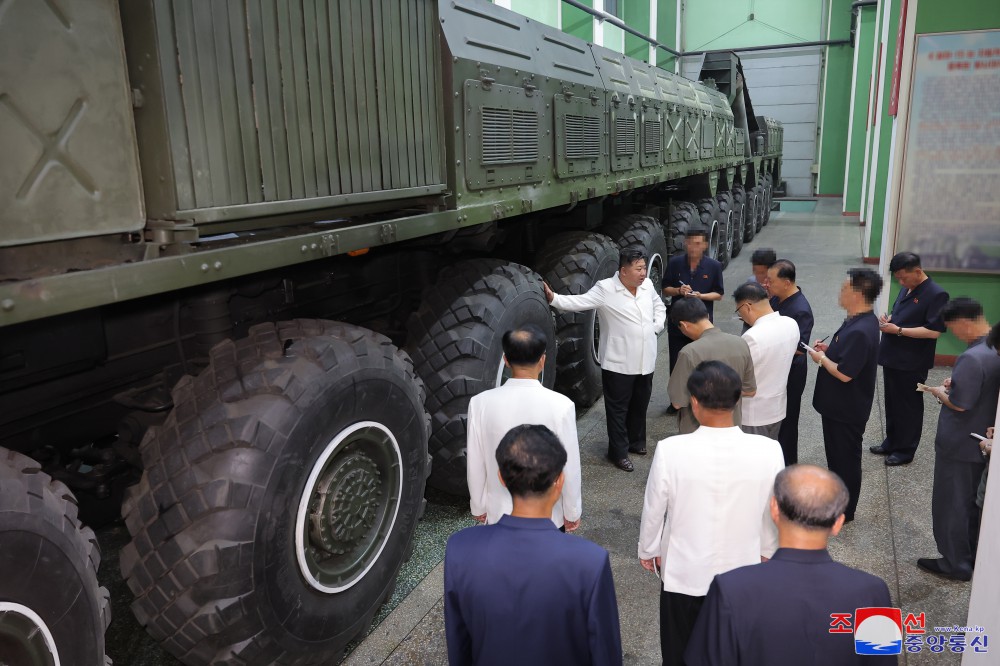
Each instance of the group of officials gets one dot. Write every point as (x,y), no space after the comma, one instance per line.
(725,494)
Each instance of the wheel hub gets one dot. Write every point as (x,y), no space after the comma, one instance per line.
(25,638)
(348,506)
(346,503)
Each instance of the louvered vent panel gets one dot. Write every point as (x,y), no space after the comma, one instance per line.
(652,135)
(509,136)
(625,136)
(583,140)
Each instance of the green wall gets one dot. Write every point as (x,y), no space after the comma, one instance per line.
(577,22)
(881,151)
(717,24)
(666,32)
(635,14)
(836,101)
(544,12)
(864,47)
(954,15)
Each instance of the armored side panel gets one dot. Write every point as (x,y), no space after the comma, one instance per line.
(674,114)
(68,167)
(623,113)
(651,114)
(267,107)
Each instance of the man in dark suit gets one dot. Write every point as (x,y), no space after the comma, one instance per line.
(845,383)
(779,612)
(906,353)
(520,591)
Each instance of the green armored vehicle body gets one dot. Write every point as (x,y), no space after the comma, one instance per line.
(257,257)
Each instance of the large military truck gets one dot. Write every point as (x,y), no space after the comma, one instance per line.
(255,258)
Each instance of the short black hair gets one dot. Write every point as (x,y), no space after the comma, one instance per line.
(530,458)
(866,281)
(631,254)
(691,310)
(785,268)
(715,385)
(697,231)
(750,292)
(812,506)
(904,261)
(763,256)
(524,345)
(993,339)
(961,308)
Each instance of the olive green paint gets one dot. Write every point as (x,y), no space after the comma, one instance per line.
(836,101)
(864,46)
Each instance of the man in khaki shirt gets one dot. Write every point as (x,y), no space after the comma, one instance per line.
(709,344)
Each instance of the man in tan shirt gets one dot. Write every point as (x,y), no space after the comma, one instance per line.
(708,344)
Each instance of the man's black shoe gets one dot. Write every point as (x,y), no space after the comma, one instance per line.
(671,410)
(637,451)
(624,464)
(931,565)
(879,450)
(897,458)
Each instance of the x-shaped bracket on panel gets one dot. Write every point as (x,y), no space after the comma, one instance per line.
(53,148)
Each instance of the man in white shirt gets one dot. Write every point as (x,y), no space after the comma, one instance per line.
(632,315)
(522,400)
(707,504)
(772,340)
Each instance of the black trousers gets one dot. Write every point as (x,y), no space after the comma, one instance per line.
(904,410)
(842,442)
(678,613)
(676,341)
(626,399)
(954,513)
(788,436)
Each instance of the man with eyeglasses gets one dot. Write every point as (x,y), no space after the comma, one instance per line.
(789,301)
(772,340)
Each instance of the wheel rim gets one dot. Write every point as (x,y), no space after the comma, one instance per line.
(25,638)
(729,234)
(504,373)
(655,273)
(348,507)
(713,242)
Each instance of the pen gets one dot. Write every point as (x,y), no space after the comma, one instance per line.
(825,339)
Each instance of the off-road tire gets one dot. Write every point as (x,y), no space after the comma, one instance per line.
(750,227)
(572,263)
(768,197)
(455,339)
(708,213)
(48,567)
(727,224)
(683,216)
(740,219)
(213,562)
(644,232)
(762,205)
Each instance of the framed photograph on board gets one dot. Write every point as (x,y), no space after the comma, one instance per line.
(949,211)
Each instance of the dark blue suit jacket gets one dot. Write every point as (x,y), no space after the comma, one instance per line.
(778,612)
(522,592)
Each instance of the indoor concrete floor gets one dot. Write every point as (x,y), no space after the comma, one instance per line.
(893,526)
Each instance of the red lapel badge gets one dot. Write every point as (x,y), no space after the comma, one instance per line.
(916,300)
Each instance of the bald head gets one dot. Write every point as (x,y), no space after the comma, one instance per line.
(810,496)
